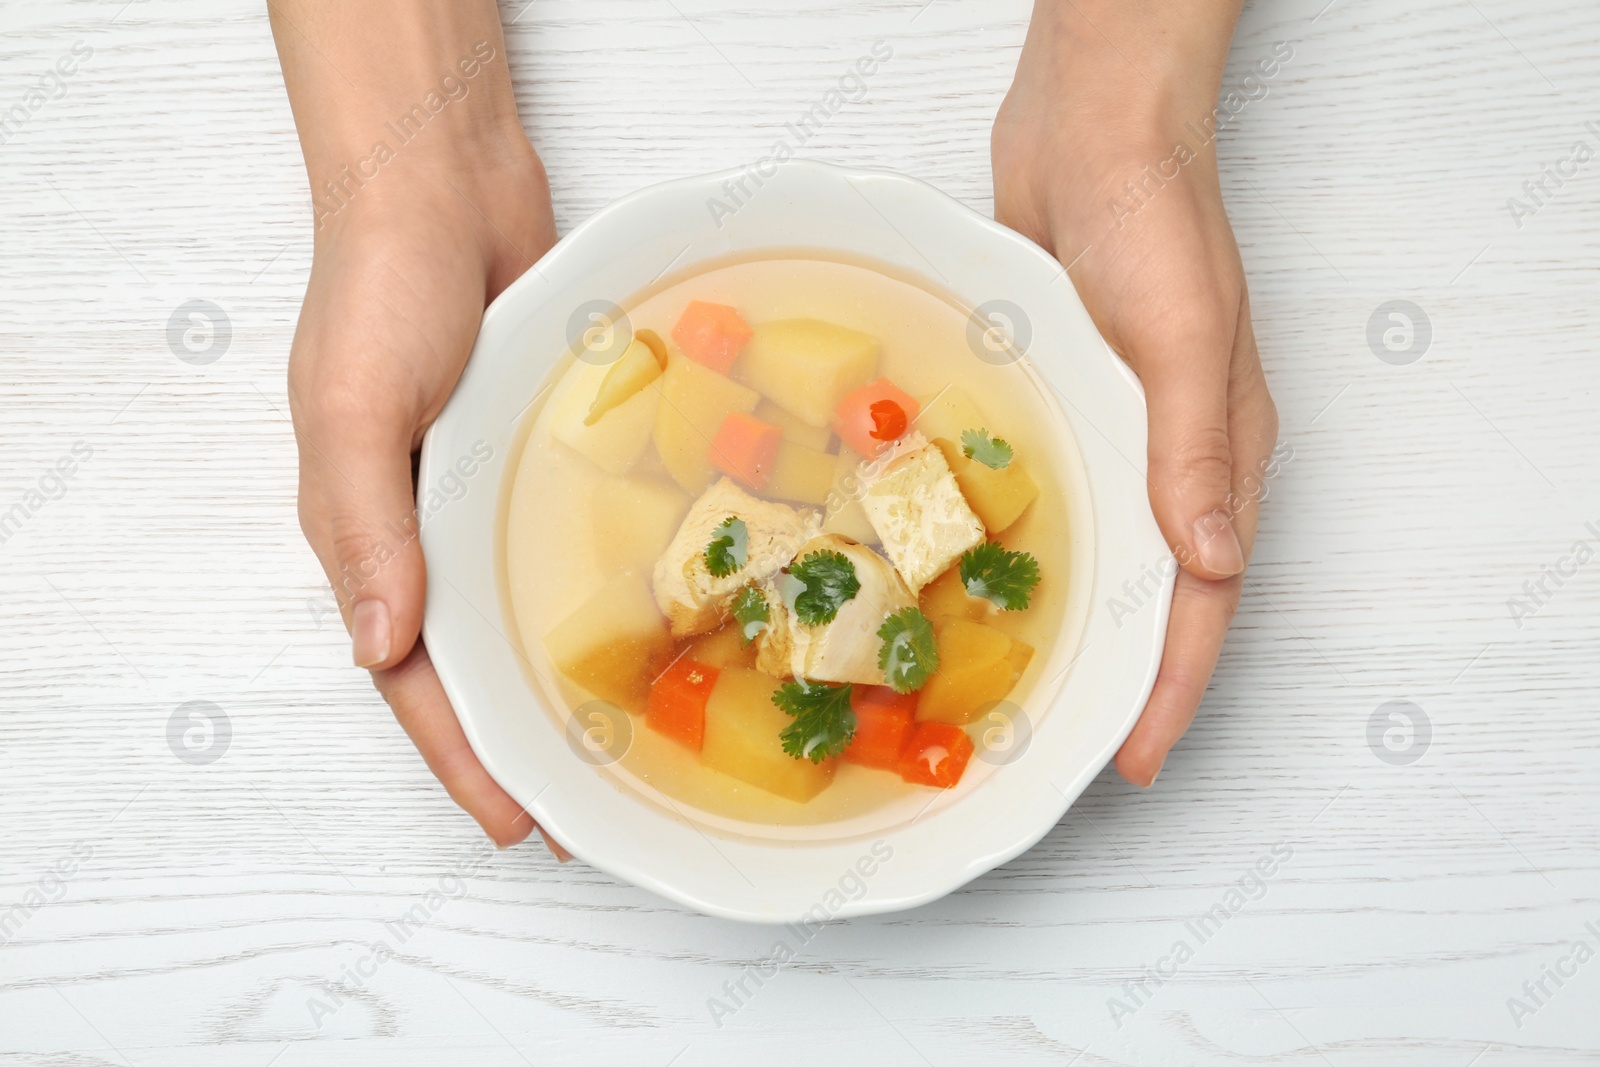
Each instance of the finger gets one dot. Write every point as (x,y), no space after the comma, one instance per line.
(358,512)
(561,854)
(1185,369)
(1252,433)
(1201,611)
(412,689)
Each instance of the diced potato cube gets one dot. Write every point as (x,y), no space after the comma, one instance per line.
(619,437)
(633,519)
(794,428)
(695,401)
(613,643)
(723,649)
(948,414)
(801,474)
(999,497)
(978,665)
(947,596)
(741,740)
(1020,656)
(807,366)
(969,643)
(846,517)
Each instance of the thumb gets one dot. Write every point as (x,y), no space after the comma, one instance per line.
(1191,463)
(359,513)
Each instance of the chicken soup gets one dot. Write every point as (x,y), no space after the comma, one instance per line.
(796,536)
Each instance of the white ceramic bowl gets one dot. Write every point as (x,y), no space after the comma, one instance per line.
(1108,661)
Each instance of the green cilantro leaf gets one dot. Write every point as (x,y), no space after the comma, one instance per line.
(729,548)
(823,720)
(1004,578)
(750,610)
(992,452)
(910,654)
(829,579)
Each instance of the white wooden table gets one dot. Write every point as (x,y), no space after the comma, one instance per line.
(156,911)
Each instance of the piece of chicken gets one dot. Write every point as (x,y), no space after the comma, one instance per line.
(846,649)
(912,500)
(693,600)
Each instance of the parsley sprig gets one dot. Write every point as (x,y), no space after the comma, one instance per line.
(751,612)
(729,548)
(1004,578)
(992,452)
(826,581)
(910,655)
(823,720)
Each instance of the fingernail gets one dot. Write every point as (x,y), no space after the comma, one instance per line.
(369,633)
(1152,783)
(561,854)
(1218,546)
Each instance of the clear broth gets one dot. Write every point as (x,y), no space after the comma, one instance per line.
(554,560)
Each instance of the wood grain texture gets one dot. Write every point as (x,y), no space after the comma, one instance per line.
(214,905)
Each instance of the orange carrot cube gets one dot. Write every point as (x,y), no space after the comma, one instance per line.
(712,334)
(936,755)
(872,418)
(745,449)
(677,703)
(884,720)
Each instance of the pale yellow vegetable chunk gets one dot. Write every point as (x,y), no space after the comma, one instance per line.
(619,437)
(694,401)
(638,367)
(999,497)
(794,428)
(741,739)
(846,517)
(947,595)
(723,649)
(613,642)
(632,520)
(978,665)
(807,366)
(948,414)
(801,474)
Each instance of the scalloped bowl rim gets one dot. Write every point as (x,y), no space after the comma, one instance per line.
(491,694)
